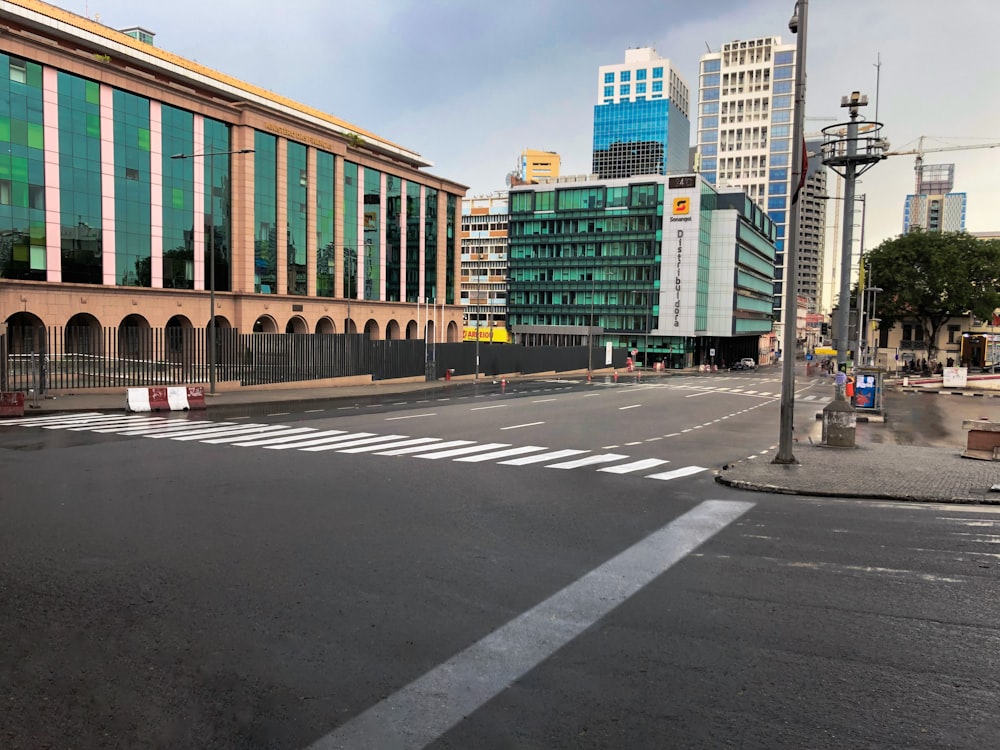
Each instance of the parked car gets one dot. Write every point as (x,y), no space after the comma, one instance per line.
(747,363)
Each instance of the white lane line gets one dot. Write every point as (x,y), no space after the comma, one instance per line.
(495,406)
(210,430)
(419,448)
(700,393)
(246,430)
(635,442)
(519,426)
(382,446)
(411,416)
(543,457)
(608,447)
(351,443)
(36,421)
(421,712)
(328,437)
(646,463)
(543,400)
(95,421)
(600,458)
(171,426)
(115,423)
(342,408)
(308,432)
(464,451)
(672,434)
(120,427)
(313,411)
(677,473)
(650,440)
(503,454)
(633,406)
(278,414)
(207,430)
(243,433)
(278,431)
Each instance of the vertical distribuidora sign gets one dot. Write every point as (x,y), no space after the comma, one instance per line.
(679,269)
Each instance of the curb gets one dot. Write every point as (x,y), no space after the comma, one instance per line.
(743,484)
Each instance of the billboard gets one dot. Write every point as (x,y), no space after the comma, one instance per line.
(487,334)
(679,264)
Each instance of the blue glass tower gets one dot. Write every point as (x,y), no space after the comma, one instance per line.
(640,137)
(641,124)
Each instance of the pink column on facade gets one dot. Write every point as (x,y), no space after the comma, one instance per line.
(422,262)
(108,185)
(156,195)
(359,251)
(382,224)
(53,206)
(198,165)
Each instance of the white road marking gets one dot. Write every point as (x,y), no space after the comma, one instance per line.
(503,453)
(419,448)
(700,393)
(635,442)
(543,400)
(677,473)
(495,406)
(273,432)
(633,406)
(600,458)
(463,451)
(208,429)
(551,456)
(322,438)
(247,430)
(170,426)
(421,712)
(313,411)
(381,446)
(519,426)
(411,416)
(672,434)
(352,443)
(646,463)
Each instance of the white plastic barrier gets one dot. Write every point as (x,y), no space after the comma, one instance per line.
(179,398)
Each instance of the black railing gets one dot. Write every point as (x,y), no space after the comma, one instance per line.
(78,358)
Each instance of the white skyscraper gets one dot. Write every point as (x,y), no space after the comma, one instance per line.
(745,104)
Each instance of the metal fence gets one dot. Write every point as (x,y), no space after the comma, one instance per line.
(75,358)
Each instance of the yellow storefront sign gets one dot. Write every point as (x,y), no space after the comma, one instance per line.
(486,334)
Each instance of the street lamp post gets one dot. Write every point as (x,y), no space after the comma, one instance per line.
(211,252)
(798,25)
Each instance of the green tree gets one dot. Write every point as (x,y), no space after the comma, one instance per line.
(929,277)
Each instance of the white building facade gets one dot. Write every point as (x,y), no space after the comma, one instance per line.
(745,107)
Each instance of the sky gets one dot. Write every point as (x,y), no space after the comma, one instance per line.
(469,84)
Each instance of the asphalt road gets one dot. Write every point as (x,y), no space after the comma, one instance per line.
(176,592)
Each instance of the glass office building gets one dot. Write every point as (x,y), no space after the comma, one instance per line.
(129,169)
(641,121)
(666,266)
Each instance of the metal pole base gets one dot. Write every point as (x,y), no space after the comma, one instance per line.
(839,424)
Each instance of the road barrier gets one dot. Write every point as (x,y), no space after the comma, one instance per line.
(180,398)
(12,404)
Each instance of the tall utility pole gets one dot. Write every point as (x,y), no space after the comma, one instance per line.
(855,152)
(798,25)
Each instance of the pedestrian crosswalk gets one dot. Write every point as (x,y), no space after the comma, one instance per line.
(312,440)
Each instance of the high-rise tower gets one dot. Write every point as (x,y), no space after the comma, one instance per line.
(746,100)
(641,123)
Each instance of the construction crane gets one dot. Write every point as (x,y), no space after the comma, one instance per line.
(918,167)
